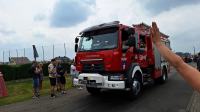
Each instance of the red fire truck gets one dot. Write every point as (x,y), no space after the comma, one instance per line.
(116,56)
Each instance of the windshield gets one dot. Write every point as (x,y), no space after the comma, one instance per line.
(99,42)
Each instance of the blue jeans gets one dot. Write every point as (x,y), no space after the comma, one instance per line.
(36,83)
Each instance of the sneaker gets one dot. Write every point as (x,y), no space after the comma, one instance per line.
(38,95)
(64,92)
(53,96)
(34,97)
(80,88)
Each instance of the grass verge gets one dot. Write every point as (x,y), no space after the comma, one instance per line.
(21,90)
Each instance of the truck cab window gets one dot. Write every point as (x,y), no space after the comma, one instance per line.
(125,37)
(86,43)
(99,42)
(142,42)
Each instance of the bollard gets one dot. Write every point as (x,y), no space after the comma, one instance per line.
(3,90)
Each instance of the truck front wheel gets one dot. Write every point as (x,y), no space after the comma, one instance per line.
(93,91)
(135,89)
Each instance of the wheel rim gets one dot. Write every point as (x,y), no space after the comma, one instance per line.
(136,87)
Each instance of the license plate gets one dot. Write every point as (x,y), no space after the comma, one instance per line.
(91,84)
(85,78)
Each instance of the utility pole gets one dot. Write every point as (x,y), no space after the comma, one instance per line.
(65,49)
(9,55)
(194,49)
(3,57)
(53,50)
(17,56)
(17,52)
(43,53)
(24,52)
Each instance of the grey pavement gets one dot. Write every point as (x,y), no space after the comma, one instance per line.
(194,104)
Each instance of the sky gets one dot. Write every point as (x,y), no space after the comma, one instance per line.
(24,23)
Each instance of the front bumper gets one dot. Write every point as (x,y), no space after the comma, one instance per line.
(98,81)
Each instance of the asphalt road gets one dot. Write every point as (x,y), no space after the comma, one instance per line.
(173,96)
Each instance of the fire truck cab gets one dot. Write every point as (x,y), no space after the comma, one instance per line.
(116,56)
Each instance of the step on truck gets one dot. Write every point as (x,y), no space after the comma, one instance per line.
(116,56)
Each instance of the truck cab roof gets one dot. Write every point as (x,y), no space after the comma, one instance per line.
(101,26)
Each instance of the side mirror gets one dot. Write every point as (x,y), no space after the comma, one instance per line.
(124,49)
(131,41)
(76,47)
(76,40)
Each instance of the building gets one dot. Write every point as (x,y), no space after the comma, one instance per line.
(63,59)
(18,60)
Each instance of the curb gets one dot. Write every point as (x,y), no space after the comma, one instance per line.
(194,103)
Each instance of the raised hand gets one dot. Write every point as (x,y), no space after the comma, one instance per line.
(155,34)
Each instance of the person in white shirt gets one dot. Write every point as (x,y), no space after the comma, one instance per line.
(52,76)
(74,73)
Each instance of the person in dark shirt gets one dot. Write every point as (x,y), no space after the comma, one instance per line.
(61,73)
(36,75)
(41,77)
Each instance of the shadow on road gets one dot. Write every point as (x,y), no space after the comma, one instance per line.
(116,101)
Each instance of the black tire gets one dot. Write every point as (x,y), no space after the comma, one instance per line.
(135,88)
(93,91)
(163,78)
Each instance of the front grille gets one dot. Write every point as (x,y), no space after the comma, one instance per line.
(93,68)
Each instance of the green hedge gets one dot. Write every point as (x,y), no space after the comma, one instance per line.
(15,72)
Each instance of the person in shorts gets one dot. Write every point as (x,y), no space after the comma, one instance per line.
(61,73)
(52,77)
(58,77)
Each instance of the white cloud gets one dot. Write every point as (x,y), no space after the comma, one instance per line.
(110,10)
(30,20)
(182,24)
